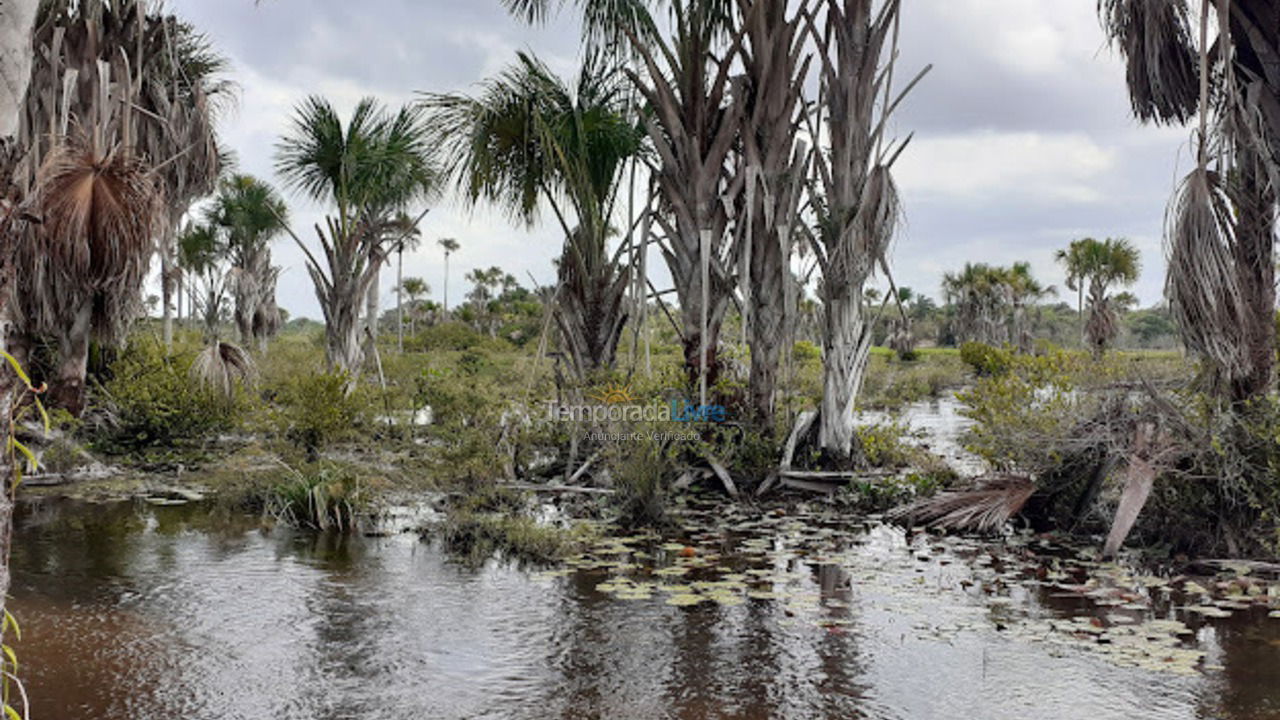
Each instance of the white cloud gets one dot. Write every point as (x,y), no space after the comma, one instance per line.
(1012,166)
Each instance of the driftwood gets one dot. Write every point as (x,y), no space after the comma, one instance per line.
(725,478)
(559,488)
(803,423)
(820,487)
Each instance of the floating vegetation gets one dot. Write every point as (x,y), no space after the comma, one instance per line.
(822,573)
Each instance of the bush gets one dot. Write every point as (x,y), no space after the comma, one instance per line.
(450,336)
(154,402)
(1024,415)
(985,359)
(315,410)
(805,351)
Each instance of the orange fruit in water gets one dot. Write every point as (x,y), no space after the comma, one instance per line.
(687,551)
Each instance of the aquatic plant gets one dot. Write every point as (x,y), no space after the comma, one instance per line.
(320,497)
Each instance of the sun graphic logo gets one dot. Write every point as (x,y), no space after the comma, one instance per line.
(614,394)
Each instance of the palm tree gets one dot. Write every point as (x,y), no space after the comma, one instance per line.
(450,246)
(368,169)
(251,214)
(415,288)
(531,139)
(409,238)
(95,59)
(1100,265)
(982,297)
(1221,234)
(693,124)
(773,166)
(1024,291)
(854,197)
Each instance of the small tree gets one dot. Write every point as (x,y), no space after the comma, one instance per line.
(367,169)
(1100,265)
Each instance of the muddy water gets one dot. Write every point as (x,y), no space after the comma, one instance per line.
(136,611)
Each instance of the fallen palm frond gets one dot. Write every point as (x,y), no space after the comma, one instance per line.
(222,367)
(993,500)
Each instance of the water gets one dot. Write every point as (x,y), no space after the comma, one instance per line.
(159,612)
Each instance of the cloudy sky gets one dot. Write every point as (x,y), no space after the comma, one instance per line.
(1023,138)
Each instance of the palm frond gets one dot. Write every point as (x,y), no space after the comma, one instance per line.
(222,367)
(992,502)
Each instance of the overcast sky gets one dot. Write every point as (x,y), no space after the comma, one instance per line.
(1023,137)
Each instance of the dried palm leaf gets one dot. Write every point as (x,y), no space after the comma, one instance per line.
(987,507)
(222,367)
(1203,292)
(1155,38)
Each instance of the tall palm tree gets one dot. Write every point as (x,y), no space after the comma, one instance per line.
(529,139)
(693,123)
(1100,265)
(773,166)
(367,169)
(409,238)
(251,214)
(1221,234)
(855,198)
(450,246)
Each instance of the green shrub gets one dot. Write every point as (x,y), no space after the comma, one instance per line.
(154,402)
(451,336)
(805,351)
(985,359)
(315,409)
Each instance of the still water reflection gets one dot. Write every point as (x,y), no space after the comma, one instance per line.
(144,612)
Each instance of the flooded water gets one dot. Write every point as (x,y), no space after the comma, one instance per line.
(938,426)
(131,610)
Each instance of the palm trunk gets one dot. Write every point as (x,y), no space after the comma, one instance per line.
(17,17)
(372,302)
(400,300)
(446,285)
(846,349)
(167,282)
(73,358)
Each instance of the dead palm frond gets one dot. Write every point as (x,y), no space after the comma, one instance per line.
(1204,295)
(985,508)
(1155,38)
(222,367)
(99,210)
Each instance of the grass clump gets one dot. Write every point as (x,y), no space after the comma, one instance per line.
(320,497)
